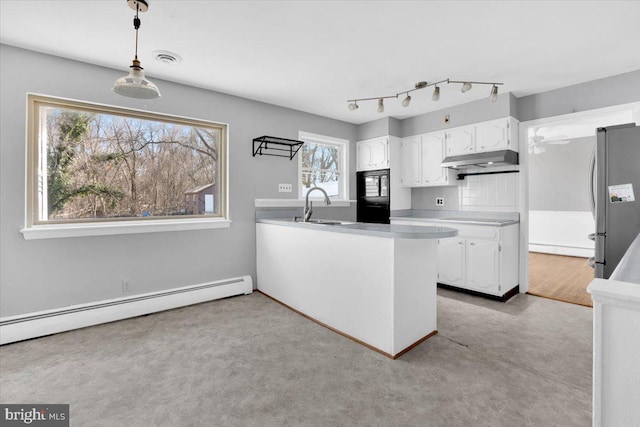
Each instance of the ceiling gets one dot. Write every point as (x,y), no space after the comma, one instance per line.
(314,55)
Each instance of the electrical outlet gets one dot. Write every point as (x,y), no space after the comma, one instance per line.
(440,201)
(126,285)
(285,188)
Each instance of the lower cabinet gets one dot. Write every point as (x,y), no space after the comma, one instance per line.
(481,259)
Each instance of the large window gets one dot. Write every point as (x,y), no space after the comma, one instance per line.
(90,163)
(323,163)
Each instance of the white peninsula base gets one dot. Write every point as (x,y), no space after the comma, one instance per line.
(378,291)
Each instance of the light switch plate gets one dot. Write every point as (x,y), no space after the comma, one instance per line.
(285,188)
(440,201)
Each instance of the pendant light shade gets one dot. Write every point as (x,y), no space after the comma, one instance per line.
(406,101)
(466,86)
(494,94)
(436,94)
(380,105)
(353,106)
(135,84)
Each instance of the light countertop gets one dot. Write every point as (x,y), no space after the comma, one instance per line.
(376,230)
(494,219)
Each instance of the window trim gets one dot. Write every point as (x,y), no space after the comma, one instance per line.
(35,228)
(342,144)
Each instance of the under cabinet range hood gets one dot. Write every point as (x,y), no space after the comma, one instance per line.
(483,160)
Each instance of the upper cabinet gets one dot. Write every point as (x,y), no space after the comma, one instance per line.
(373,154)
(501,134)
(494,135)
(421,157)
(460,140)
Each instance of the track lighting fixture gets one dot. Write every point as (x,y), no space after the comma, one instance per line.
(135,84)
(466,86)
(436,94)
(494,94)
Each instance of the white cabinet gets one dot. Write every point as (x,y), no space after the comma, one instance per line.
(460,141)
(421,158)
(451,261)
(483,265)
(373,154)
(494,135)
(497,135)
(481,258)
(410,160)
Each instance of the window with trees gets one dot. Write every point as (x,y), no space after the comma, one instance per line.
(95,163)
(323,163)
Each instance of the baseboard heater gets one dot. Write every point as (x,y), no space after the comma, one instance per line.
(32,325)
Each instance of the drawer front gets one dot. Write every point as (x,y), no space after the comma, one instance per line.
(464,230)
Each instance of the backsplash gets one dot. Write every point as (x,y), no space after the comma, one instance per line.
(498,193)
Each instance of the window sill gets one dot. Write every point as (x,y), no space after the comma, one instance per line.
(297,203)
(58,231)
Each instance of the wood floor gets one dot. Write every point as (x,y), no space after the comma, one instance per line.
(563,278)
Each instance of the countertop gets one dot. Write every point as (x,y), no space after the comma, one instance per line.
(494,219)
(376,230)
(628,270)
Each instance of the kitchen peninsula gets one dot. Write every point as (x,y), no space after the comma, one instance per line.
(373,283)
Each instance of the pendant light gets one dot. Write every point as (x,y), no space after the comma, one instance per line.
(466,87)
(353,106)
(135,84)
(436,94)
(406,101)
(380,105)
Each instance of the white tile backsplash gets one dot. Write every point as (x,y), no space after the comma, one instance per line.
(498,193)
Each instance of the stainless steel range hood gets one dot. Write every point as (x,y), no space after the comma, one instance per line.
(491,158)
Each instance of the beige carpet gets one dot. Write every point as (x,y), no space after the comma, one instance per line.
(247,361)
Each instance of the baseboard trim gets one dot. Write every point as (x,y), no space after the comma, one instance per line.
(369,346)
(38,324)
(504,298)
(562,250)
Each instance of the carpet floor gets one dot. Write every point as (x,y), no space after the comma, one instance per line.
(248,361)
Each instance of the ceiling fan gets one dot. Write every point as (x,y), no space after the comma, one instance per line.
(537,142)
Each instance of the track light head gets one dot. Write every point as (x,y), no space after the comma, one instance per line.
(353,106)
(406,101)
(436,94)
(466,87)
(380,105)
(494,94)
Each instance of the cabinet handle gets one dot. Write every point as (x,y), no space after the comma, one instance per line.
(459,243)
(472,244)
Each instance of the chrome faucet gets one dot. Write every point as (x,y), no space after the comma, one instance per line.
(308,206)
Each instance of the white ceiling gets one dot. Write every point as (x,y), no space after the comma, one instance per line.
(314,55)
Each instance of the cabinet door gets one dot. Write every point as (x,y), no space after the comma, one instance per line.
(483,265)
(432,155)
(379,150)
(364,156)
(451,261)
(410,161)
(493,136)
(460,141)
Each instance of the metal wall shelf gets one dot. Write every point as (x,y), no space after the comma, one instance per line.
(281,147)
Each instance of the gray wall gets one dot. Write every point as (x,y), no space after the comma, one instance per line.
(607,92)
(460,115)
(45,274)
(558,178)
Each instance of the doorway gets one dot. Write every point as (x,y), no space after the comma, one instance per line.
(559,214)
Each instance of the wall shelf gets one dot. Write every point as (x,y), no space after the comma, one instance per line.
(275,146)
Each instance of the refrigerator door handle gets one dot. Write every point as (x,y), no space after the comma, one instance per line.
(592,172)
